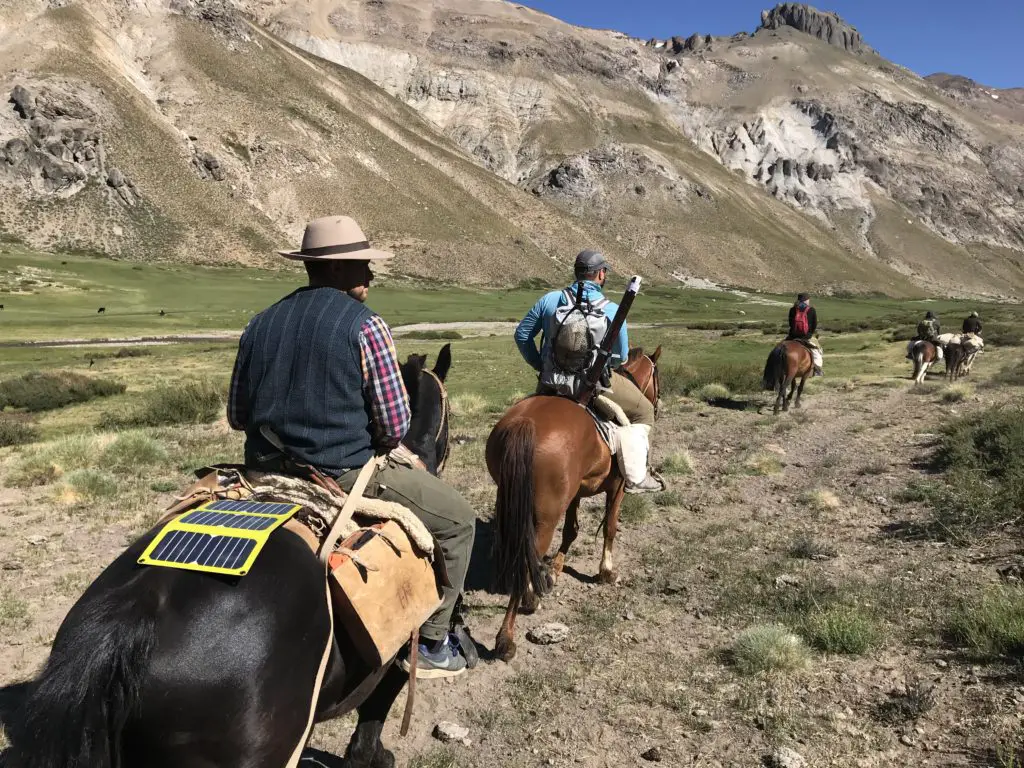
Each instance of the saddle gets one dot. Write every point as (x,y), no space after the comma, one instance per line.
(385,578)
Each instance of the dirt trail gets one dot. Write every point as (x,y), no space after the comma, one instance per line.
(643,666)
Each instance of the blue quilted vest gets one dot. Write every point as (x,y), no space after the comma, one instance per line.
(305,381)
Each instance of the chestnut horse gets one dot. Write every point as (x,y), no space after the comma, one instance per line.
(788,362)
(925,354)
(545,454)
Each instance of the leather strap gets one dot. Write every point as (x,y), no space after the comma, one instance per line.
(347,509)
(293,761)
(414,653)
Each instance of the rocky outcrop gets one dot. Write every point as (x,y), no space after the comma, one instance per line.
(59,147)
(219,14)
(825,26)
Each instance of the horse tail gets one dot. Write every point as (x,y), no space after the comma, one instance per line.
(775,369)
(79,705)
(516,560)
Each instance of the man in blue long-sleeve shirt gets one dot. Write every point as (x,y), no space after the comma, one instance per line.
(591,268)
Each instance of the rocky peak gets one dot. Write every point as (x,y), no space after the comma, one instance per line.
(824,25)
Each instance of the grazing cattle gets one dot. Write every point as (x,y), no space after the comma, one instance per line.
(101,310)
(162,313)
(1,306)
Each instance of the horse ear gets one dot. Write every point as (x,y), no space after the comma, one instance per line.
(656,355)
(634,354)
(444,362)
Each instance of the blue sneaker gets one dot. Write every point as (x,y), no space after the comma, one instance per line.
(433,664)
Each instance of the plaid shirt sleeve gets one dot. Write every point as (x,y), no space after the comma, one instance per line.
(238,395)
(382,382)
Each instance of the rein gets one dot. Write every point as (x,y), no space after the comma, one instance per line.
(443,424)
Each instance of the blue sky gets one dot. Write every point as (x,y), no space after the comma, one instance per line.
(982,39)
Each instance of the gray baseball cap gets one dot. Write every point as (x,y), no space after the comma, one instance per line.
(590,261)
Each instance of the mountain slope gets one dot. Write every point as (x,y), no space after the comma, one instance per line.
(487,142)
(803,109)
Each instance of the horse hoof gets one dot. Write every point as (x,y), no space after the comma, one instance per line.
(608,577)
(530,605)
(505,650)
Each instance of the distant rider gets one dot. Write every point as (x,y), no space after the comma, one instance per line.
(927,330)
(592,268)
(319,369)
(803,322)
(972,324)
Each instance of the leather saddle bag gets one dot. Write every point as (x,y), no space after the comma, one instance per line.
(383,589)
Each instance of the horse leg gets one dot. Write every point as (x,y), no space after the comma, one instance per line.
(780,397)
(800,391)
(504,645)
(570,531)
(789,384)
(365,750)
(544,536)
(612,504)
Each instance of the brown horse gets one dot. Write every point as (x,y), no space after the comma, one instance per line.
(924,354)
(545,455)
(788,362)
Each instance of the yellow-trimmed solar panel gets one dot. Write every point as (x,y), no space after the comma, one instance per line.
(222,536)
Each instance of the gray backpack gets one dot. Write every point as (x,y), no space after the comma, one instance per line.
(572,342)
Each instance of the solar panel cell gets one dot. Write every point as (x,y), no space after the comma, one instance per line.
(223,536)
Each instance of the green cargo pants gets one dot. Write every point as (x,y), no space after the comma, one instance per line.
(445,513)
(625,394)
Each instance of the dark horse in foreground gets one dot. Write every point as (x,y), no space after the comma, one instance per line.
(167,668)
(789,362)
(545,455)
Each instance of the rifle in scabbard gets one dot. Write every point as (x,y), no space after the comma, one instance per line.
(604,352)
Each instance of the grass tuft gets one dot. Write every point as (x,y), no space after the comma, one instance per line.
(842,629)
(762,465)
(669,499)
(983,458)
(467,405)
(803,547)
(992,626)
(16,432)
(88,485)
(678,463)
(191,402)
(45,463)
(957,393)
(820,499)
(635,509)
(37,391)
(440,757)
(131,450)
(768,648)
(906,706)
(13,612)
(710,393)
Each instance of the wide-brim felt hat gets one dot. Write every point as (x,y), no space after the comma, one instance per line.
(335,238)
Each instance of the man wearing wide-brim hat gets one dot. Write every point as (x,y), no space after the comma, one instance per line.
(319,369)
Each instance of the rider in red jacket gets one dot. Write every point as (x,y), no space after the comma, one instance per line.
(803,322)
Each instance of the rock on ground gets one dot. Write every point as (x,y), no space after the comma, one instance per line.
(784,757)
(548,634)
(448,732)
